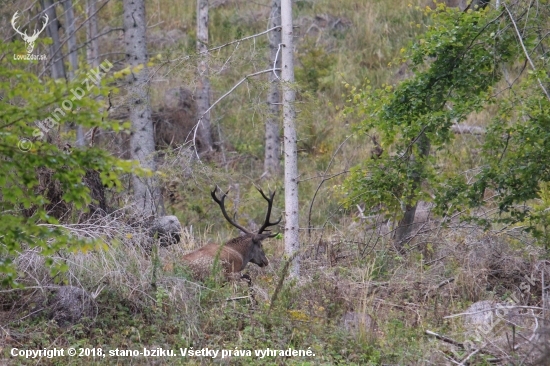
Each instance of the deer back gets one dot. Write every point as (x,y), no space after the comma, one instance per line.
(234,255)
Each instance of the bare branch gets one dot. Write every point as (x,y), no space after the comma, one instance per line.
(325,178)
(467,129)
(444,339)
(492,309)
(229,43)
(195,128)
(525,50)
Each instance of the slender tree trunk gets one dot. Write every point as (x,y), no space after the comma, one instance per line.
(404,230)
(71,37)
(73,57)
(142,143)
(93,179)
(92,42)
(272,140)
(203,89)
(292,240)
(58,69)
(92,47)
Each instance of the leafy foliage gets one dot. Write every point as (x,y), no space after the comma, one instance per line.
(23,152)
(458,64)
(315,66)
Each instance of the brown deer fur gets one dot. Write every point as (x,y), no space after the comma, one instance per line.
(234,255)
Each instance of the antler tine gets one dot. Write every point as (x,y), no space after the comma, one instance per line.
(46,18)
(267,223)
(37,32)
(13,20)
(221,203)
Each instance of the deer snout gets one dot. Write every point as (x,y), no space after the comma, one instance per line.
(260,260)
(264,262)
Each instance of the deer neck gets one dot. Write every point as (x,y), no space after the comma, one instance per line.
(243,246)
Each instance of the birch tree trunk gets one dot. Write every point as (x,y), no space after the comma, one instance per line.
(73,57)
(92,41)
(58,69)
(203,88)
(142,143)
(292,227)
(71,37)
(272,139)
(92,48)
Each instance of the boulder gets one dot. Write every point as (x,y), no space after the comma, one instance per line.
(167,230)
(69,304)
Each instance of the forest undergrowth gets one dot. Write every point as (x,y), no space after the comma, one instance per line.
(359,300)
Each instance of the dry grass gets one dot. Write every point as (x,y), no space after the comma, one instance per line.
(357,300)
(373,298)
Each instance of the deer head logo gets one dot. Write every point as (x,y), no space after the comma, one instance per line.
(29,40)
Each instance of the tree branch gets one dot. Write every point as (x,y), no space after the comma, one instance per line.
(230,43)
(525,50)
(195,128)
(53,59)
(325,178)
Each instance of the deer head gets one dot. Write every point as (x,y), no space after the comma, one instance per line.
(250,245)
(237,252)
(29,39)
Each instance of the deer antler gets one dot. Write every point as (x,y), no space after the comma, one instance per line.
(13,19)
(29,39)
(36,32)
(221,203)
(46,18)
(267,223)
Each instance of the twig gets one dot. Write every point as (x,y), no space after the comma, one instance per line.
(446,282)
(323,181)
(30,287)
(284,273)
(445,339)
(468,357)
(237,298)
(196,127)
(491,309)
(275,61)
(228,44)
(525,50)
(435,260)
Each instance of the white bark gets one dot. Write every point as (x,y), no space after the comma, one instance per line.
(462,129)
(142,143)
(203,89)
(58,69)
(292,242)
(73,57)
(71,37)
(92,48)
(272,139)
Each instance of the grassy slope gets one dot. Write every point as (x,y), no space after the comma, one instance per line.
(346,269)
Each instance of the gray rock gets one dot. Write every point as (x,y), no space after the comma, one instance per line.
(70,304)
(167,229)
(359,323)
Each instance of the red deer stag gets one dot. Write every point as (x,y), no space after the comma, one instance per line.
(234,255)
